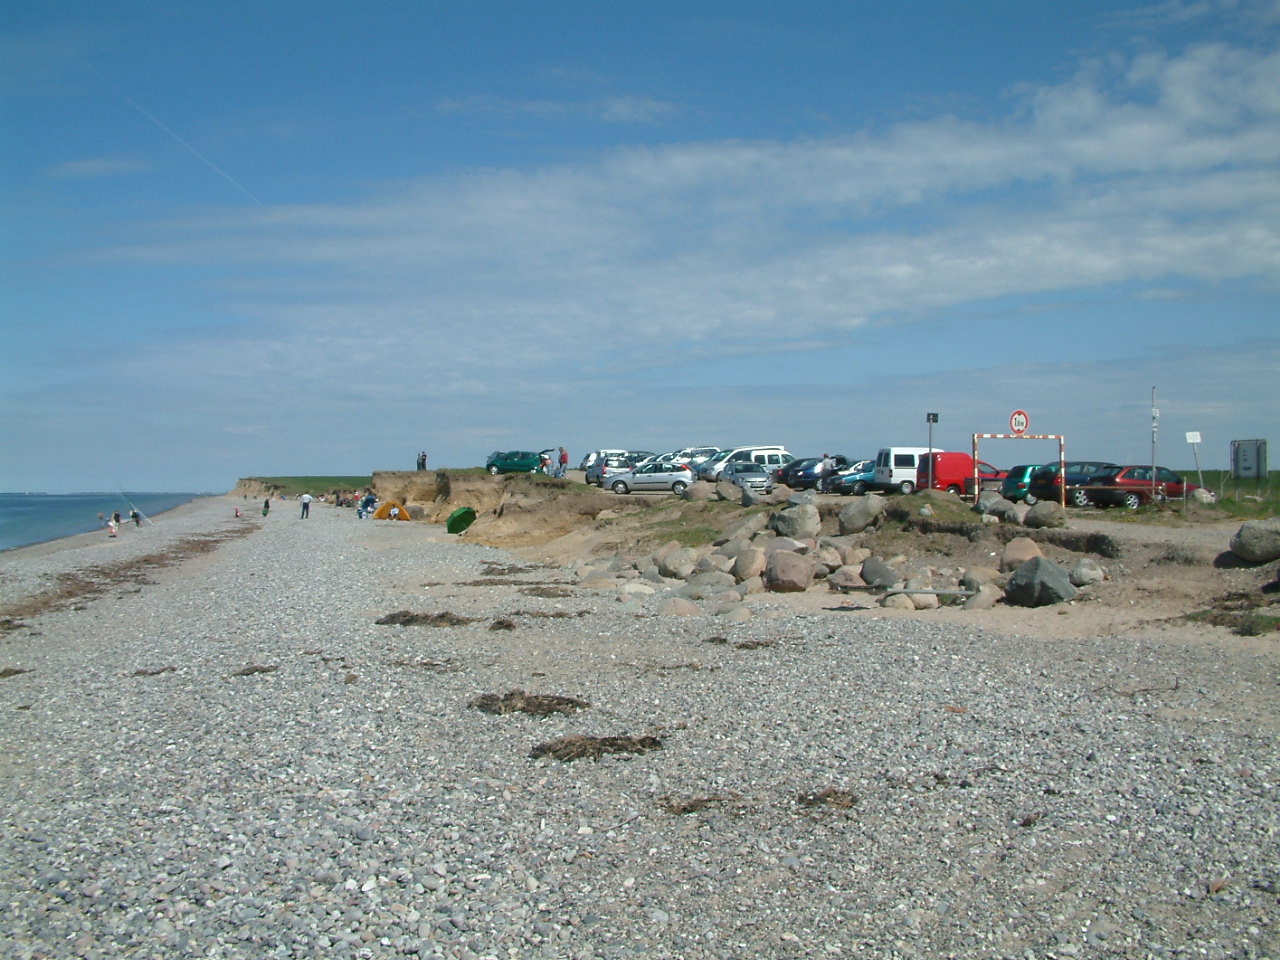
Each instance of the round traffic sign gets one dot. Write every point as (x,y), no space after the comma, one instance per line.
(1019,421)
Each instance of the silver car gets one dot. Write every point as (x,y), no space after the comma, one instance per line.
(747,473)
(652,476)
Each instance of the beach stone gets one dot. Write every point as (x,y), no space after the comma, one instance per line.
(798,522)
(680,607)
(1046,513)
(922,601)
(877,573)
(1005,510)
(861,513)
(637,588)
(853,556)
(737,613)
(677,564)
(751,585)
(728,491)
(713,563)
(1085,571)
(975,577)
(703,586)
(988,596)
(897,601)
(1039,582)
(788,572)
(800,498)
(1257,541)
(1017,552)
(776,543)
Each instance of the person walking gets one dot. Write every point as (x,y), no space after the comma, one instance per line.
(306,506)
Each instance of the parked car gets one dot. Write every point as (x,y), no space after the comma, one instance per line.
(605,467)
(855,481)
(953,471)
(769,456)
(786,473)
(595,455)
(512,461)
(1132,486)
(748,473)
(803,478)
(1047,483)
(652,476)
(1017,483)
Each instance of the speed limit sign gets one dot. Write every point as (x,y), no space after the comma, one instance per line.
(1019,421)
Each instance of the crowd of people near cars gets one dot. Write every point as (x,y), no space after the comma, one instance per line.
(904,470)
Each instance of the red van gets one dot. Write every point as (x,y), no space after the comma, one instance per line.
(954,472)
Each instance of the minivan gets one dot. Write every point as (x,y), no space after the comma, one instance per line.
(768,456)
(896,467)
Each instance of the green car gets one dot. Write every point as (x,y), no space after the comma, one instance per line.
(1017,485)
(513,461)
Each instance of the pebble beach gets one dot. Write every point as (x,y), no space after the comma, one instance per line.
(225,755)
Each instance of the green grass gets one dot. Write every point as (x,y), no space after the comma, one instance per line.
(1244,499)
(295,486)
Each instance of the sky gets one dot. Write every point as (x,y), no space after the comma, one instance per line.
(247,239)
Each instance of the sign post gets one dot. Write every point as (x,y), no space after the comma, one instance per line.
(931,419)
(1193,438)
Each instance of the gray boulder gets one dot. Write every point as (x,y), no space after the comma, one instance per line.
(861,513)
(974,578)
(988,596)
(1006,510)
(799,522)
(699,490)
(788,572)
(680,607)
(1038,583)
(800,498)
(877,573)
(1046,513)
(897,601)
(704,586)
(845,579)
(728,491)
(747,527)
(1257,541)
(775,544)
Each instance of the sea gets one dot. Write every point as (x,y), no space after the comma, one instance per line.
(27,518)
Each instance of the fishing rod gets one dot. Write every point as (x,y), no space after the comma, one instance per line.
(126,499)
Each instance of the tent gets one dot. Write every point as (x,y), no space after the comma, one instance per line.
(384,511)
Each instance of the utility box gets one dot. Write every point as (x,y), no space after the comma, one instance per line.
(1248,459)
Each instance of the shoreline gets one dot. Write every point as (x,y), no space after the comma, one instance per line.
(101,530)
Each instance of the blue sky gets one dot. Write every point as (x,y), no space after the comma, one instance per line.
(315,238)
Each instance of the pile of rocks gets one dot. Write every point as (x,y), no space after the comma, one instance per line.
(785,552)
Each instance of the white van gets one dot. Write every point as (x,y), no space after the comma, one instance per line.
(769,456)
(896,467)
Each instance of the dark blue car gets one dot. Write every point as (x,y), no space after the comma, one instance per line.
(1076,475)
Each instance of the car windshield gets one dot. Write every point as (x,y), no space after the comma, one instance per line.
(748,468)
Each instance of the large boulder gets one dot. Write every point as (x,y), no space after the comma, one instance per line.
(845,579)
(800,522)
(1257,541)
(1038,583)
(1017,552)
(1046,513)
(974,578)
(748,563)
(1006,510)
(861,513)
(699,490)
(788,572)
(728,491)
(704,586)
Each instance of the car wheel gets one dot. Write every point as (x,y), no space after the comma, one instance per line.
(493,471)
(906,486)
(953,489)
(859,488)
(1079,498)
(678,487)
(620,487)
(1132,500)
(1030,499)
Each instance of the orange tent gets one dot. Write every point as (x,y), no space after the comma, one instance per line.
(384,511)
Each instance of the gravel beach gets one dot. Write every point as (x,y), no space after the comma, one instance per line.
(226,756)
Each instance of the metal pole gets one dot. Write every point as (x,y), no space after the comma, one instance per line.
(1155,428)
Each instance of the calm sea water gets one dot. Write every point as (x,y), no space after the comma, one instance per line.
(37,517)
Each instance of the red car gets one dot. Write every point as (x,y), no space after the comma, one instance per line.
(1132,486)
(954,471)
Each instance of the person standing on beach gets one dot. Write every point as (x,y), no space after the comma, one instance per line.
(564,463)
(266,506)
(306,506)
(136,517)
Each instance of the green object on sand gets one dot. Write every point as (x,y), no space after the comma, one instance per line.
(460,519)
